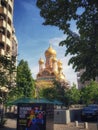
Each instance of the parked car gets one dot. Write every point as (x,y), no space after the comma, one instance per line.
(89,112)
(94,107)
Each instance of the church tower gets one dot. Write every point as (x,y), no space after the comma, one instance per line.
(50,53)
(52,68)
(41,65)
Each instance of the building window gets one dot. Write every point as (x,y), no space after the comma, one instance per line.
(2,17)
(8,49)
(2,30)
(9,21)
(3,3)
(10,9)
(8,34)
(1,45)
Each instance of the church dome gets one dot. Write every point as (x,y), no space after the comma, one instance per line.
(59,63)
(41,61)
(62,77)
(54,59)
(60,68)
(50,51)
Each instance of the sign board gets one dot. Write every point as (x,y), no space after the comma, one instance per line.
(34,116)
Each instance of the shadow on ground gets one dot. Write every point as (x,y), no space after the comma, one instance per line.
(7,128)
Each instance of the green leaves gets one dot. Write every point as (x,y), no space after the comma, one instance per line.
(83,46)
(49,93)
(89,94)
(25,82)
(72,95)
(7,69)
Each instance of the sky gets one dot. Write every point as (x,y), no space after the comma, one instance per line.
(35,38)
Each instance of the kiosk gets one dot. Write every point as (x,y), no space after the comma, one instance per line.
(35,116)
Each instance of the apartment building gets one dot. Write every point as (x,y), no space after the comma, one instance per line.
(80,84)
(8,41)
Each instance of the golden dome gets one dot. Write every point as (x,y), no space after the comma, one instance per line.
(50,51)
(59,63)
(62,77)
(54,59)
(60,68)
(41,61)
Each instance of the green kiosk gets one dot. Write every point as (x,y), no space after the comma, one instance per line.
(35,115)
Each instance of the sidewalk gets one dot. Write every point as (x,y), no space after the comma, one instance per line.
(11,125)
(70,126)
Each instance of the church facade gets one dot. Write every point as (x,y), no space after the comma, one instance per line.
(51,68)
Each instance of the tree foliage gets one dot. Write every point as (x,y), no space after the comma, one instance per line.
(7,77)
(7,68)
(25,82)
(49,93)
(62,93)
(56,92)
(60,89)
(72,95)
(83,46)
(89,94)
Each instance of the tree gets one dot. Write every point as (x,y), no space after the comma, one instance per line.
(83,46)
(89,94)
(72,95)
(25,82)
(7,76)
(7,68)
(49,93)
(56,91)
(60,88)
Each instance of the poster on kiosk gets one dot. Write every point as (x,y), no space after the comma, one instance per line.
(32,116)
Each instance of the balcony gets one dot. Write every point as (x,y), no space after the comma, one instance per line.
(3,10)
(1,52)
(3,24)
(8,41)
(10,3)
(4,39)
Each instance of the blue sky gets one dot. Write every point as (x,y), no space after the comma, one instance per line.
(34,38)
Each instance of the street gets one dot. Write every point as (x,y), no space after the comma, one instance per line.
(11,125)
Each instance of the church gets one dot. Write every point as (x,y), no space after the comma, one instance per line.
(51,68)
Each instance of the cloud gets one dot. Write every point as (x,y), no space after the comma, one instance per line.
(29,5)
(55,41)
(34,71)
(31,11)
(68,70)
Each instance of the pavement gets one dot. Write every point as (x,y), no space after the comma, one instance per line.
(11,125)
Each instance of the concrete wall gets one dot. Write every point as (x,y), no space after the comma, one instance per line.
(59,116)
(66,116)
